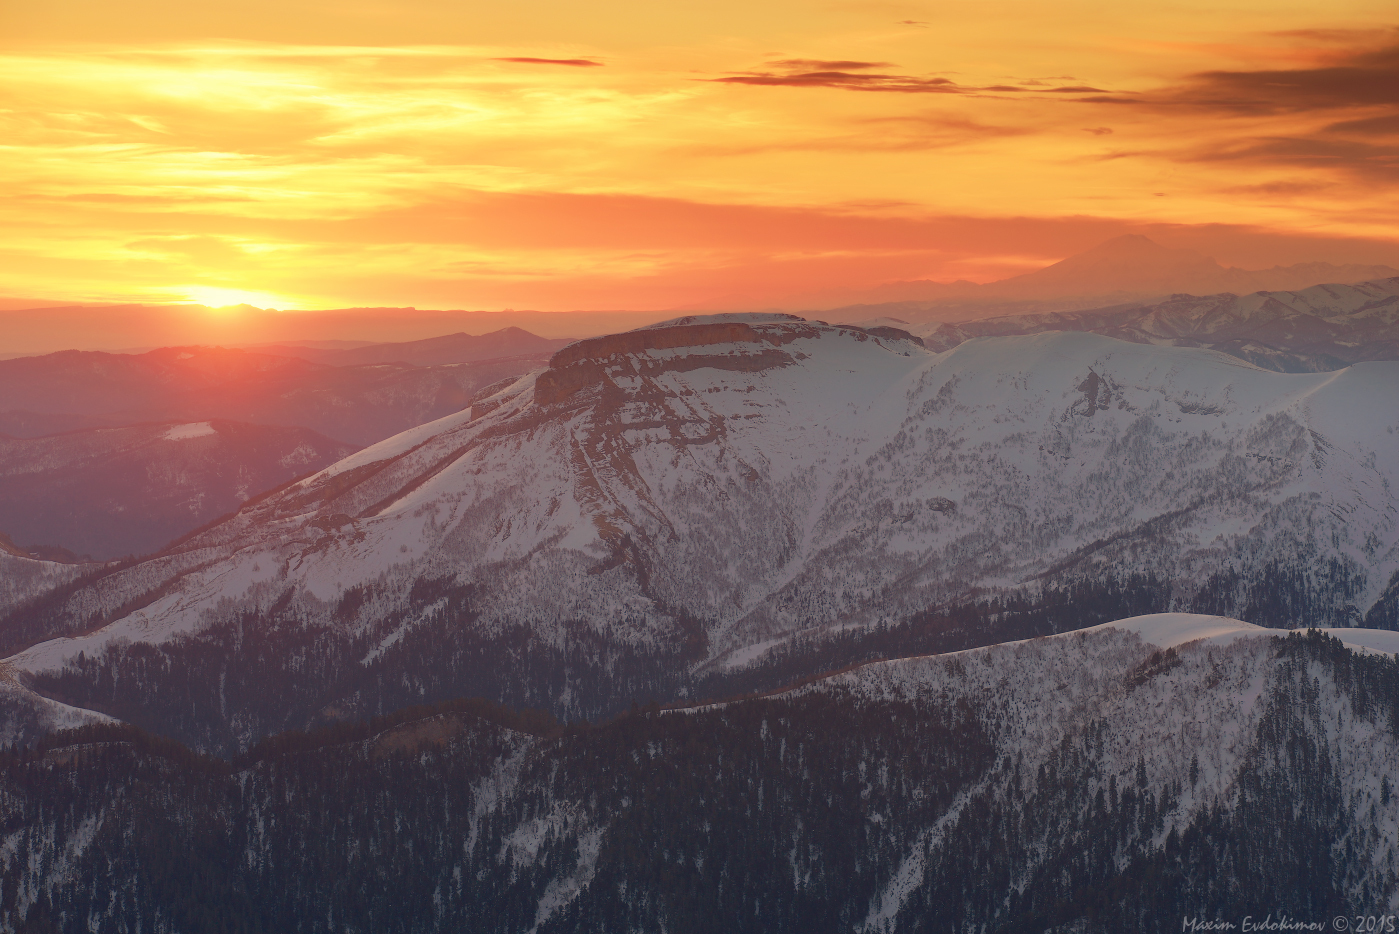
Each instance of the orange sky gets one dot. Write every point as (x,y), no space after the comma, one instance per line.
(562,155)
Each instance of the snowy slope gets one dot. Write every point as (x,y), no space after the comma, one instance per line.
(1105,692)
(22,578)
(721,482)
(1170,630)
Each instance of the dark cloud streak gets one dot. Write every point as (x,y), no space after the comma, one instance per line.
(850,76)
(848,81)
(1362,78)
(1387,125)
(1355,89)
(816,64)
(572,62)
(1375,163)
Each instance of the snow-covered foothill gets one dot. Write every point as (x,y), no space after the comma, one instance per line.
(1169,630)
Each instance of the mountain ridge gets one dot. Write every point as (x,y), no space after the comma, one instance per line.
(1325,327)
(356,405)
(111,492)
(433,351)
(1106,783)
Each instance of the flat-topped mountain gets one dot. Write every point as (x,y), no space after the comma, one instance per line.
(664,512)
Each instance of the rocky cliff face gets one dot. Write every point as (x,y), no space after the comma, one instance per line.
(600,359)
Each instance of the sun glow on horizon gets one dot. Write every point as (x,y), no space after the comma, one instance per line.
(752,156)
(219,299)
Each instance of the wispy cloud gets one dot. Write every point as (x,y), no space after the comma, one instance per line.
(824,65)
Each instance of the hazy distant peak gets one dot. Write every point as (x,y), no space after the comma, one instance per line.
(1130,263)
(1130,245)
(448,349)
(1134,251)
(1130,267)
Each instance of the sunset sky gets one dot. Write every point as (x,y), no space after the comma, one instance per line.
(643,155)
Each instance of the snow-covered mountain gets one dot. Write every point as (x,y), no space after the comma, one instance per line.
(1125,778)
(669,503)
(1325,327)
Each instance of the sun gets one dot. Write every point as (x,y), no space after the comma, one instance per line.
(216,297)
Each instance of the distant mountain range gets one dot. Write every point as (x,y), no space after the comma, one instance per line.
(124,328)
(89,465)
(1130,268)
(1325,327)
(1126,268)
(354,404)
(434,351)
(108,492)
